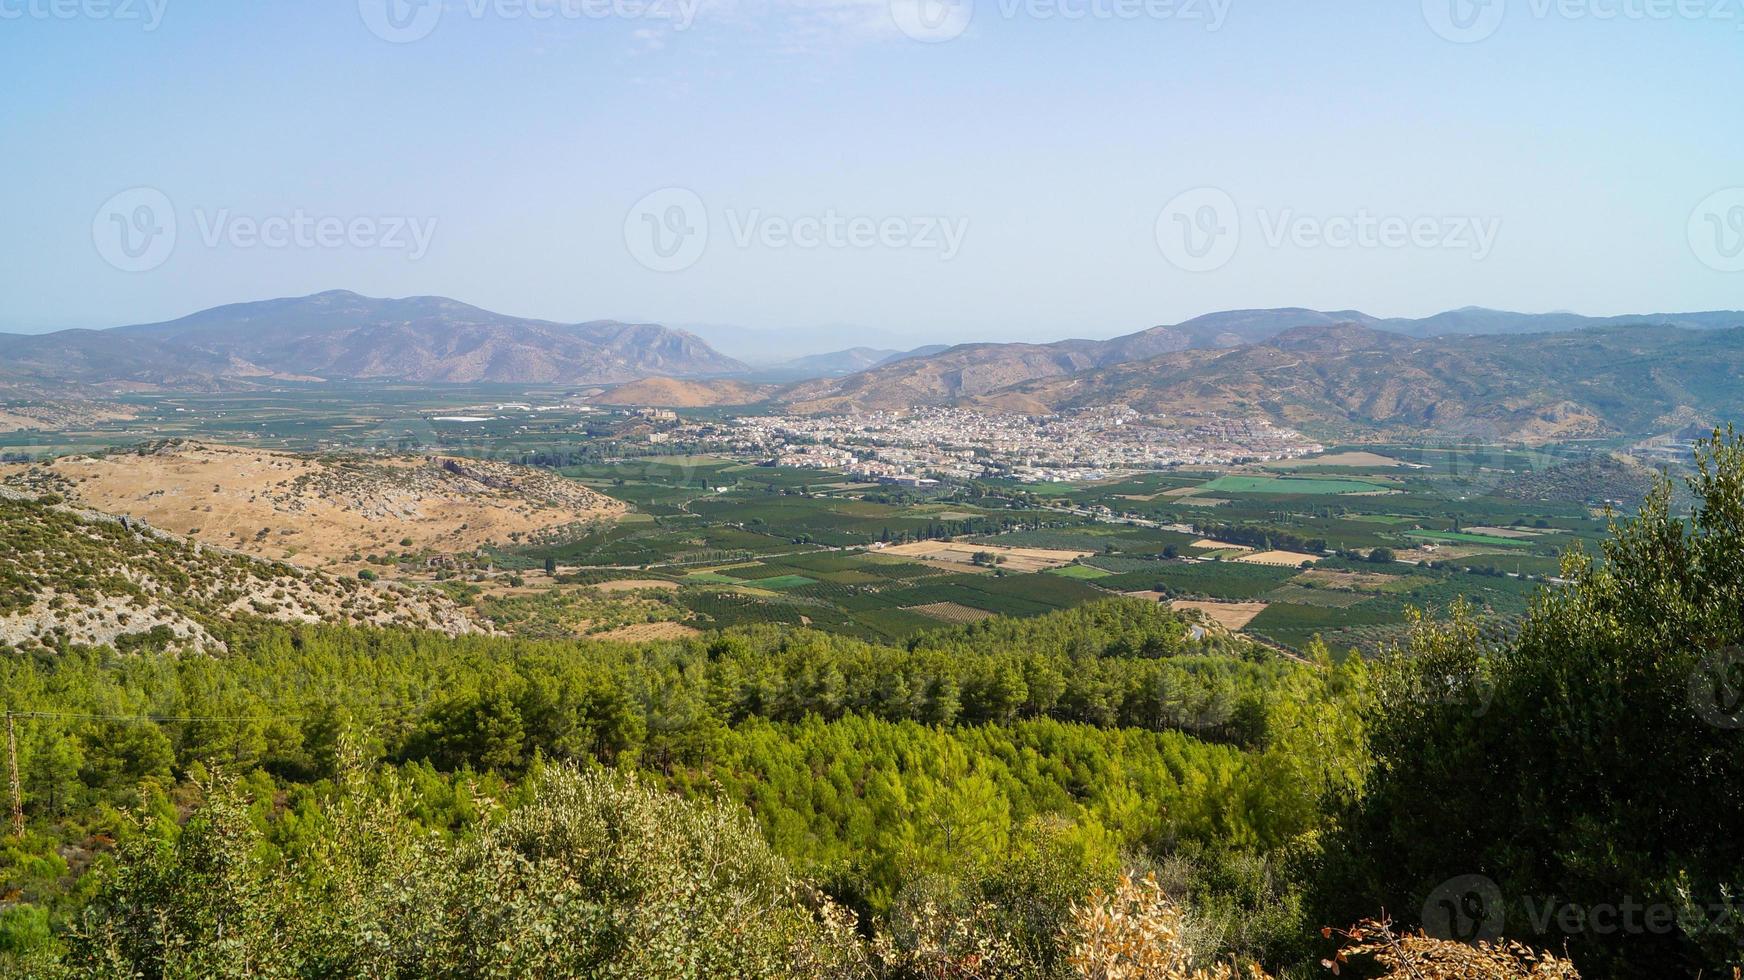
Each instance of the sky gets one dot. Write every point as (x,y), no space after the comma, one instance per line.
(872,172)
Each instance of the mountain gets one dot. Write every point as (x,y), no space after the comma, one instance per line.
(769,347)
(1354,380)
(339,335)
(831,365)
(927,351)
(968,370)
(1479,321)
(840,363)
(973,370)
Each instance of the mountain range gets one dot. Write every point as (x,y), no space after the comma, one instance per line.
(342,335)
(1350,380)
(1336,373)
(973,370)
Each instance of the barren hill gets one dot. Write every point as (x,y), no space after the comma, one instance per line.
(79,577)
(1348,379)
(1026,374)
(320,509)
(680,393)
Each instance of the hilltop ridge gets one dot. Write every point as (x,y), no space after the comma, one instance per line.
(81,577)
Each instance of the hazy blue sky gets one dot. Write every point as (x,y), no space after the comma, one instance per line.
(1018,179)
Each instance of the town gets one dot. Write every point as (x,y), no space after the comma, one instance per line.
(924,445)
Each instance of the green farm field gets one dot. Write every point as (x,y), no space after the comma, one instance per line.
(1290,485)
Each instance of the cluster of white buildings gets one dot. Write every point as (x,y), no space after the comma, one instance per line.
(1089,444)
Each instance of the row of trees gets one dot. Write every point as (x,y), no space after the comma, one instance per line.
(1261,536)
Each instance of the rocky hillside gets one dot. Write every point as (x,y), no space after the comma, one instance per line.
(679,393)
(1352,380)
(320,510)
(341,335)
(80,577)
(974,370)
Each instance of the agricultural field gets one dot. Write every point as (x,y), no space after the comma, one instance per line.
(1291,485)
(1229,615)
(707,541)
(992,555)
(1080,572)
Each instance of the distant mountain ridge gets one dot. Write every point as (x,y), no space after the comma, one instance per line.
(342,335)
(1355,380)
(974,370)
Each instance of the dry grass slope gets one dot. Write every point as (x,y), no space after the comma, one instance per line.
(319,509)
(85,578)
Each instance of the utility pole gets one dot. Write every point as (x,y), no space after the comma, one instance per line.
(12,777)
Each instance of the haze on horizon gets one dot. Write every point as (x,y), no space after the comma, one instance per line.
(884,172)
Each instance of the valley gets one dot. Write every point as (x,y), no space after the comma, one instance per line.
(1095,603)
(537,512)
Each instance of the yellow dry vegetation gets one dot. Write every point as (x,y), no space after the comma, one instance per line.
(1288,559)
(647,632)
(319,509)
(636,585)
(1011,559)
(950,612)
(1137,932)
(1229,615)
